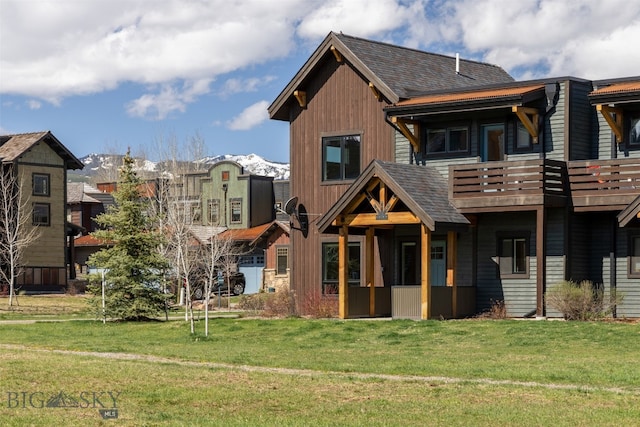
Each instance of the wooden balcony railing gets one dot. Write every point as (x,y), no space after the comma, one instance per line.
(593,185)
(494,186)
(604,184)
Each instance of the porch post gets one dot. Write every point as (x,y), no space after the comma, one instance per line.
(370,273)
(541,261)
(343,271)
(452,260)
(425,273)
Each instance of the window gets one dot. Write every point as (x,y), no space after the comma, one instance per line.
(236,211)
(40,184)
(41,214)
(513,254)
(523,138)
(213,207)
(196,213)
(330,267)
(634,128)
(282,260)
(634,256)
(225,175)
(453,139)
(340,157)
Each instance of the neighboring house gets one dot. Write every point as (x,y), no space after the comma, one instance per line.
(41,162)
(84,204)
(266,263)
(439,187)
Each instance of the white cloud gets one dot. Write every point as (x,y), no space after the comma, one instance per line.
(584,38)
(237,85)
(170,47)
(34,104)
(250,117)
(167,100)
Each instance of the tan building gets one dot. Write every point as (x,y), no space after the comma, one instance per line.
(41,162)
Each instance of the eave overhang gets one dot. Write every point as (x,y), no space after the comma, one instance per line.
(609,101)
(512,98)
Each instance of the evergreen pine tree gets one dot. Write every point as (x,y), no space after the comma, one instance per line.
(133,266)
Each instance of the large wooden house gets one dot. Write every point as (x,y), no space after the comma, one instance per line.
(435,187)
(40,163)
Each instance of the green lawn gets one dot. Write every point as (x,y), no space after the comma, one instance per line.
(297,372)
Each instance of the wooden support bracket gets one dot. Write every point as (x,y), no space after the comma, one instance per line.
(412,136)
(301,96)
(337,54)
(376,92)
(613,116)
(529,118)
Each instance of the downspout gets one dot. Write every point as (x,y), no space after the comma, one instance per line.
(613,265)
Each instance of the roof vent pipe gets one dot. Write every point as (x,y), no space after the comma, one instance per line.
(457,63)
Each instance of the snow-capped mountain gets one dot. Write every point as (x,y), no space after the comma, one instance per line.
(252,163)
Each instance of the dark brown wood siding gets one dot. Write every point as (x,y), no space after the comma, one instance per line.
(338,101)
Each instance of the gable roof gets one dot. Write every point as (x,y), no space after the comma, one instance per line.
(421,188)
(12,147)
(397,72)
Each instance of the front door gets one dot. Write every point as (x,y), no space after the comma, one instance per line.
(410,263)
(438,263)
(492,143)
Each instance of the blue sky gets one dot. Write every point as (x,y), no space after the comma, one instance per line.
(105,75)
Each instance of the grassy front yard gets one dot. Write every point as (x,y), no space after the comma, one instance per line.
(298,372)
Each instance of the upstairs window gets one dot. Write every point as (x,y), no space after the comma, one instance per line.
(213,208)
(196,213)
(41,184)
(513,255)
(41,214)
(340,157)
(634,128)
(447,140)
(523,138)
(236,211)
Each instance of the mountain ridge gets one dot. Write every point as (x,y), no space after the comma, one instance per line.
(96,164)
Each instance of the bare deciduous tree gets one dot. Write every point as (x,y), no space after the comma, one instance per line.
(16,232)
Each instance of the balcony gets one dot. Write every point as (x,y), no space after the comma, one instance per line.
(508,185)
(592,185)
(604,185)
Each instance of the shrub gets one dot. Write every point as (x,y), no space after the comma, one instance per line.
(582,301)
(318,306)
(280,304)
(254,302)
(498,310)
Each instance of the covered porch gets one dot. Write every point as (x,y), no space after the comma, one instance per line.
(389,195)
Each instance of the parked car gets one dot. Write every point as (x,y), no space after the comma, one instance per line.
(235,285)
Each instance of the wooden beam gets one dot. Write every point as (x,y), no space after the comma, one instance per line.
(337,54)
(376,91)
(613,116)
(370,270)
(531,124)
(301,96)
(371,219)
(413,137)
(452,261)
(343,273)
(425,272)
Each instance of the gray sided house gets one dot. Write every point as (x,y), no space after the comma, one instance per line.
(40,162)
(437,188)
